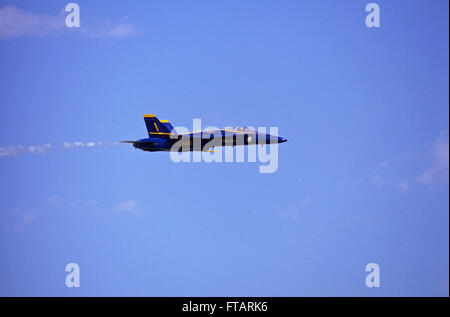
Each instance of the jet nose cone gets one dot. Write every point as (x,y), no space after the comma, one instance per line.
(281,140)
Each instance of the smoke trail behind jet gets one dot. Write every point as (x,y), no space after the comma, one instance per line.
(40,149)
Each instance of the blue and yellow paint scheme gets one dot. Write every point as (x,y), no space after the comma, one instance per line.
(163,137)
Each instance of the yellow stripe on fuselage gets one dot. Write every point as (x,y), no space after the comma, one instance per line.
(165,133)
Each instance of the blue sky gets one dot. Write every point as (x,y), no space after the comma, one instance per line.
(363,177)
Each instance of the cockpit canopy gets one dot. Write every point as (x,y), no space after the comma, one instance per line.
(241,128)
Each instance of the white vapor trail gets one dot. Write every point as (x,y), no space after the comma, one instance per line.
(39,149)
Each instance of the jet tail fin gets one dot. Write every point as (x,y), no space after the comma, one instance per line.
(156,127)
(167,124)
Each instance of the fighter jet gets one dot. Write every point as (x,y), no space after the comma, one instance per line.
(163,137)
